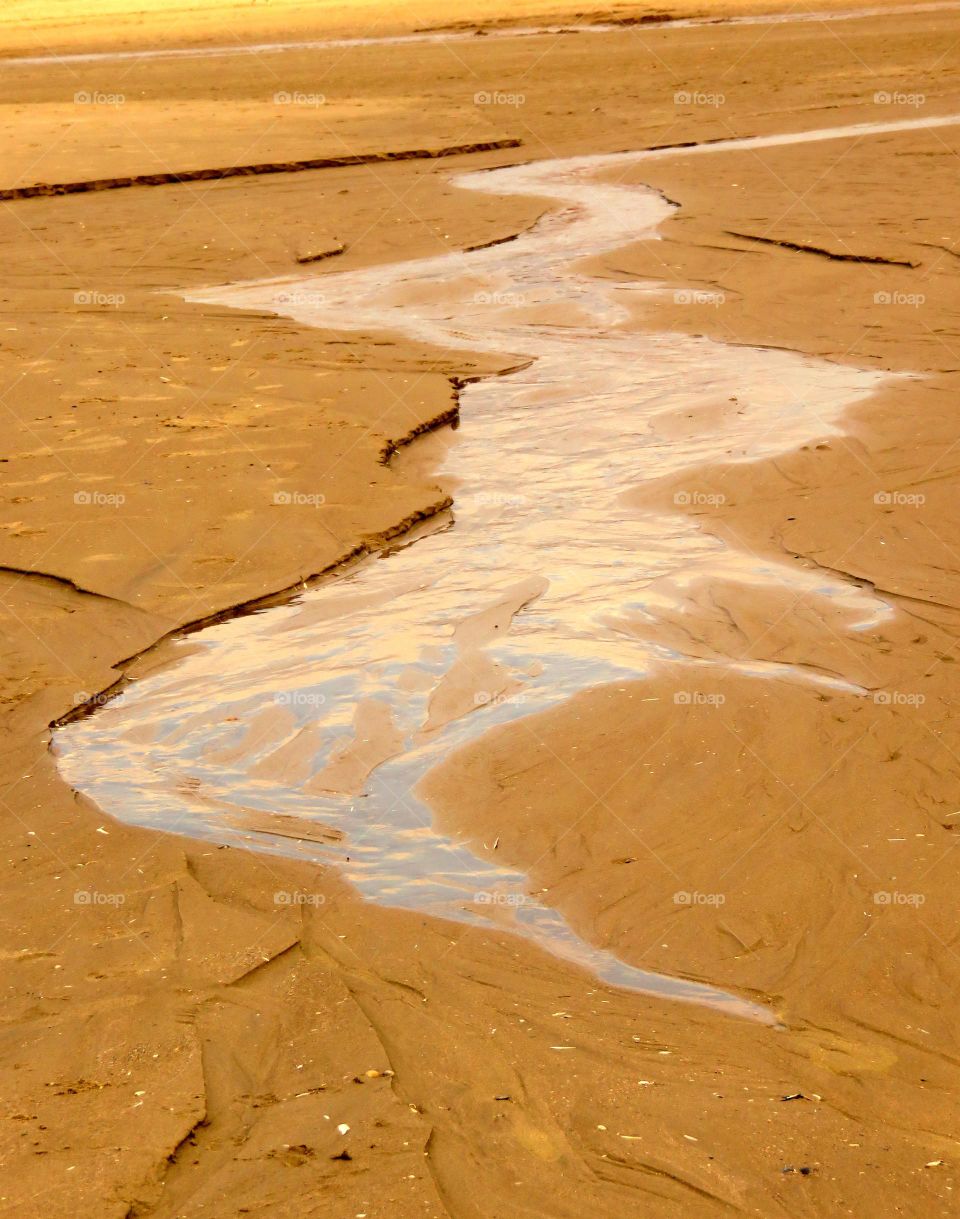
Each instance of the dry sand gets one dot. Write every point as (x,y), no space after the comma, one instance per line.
(177,1044)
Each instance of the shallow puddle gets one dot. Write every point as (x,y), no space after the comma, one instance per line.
(304,729)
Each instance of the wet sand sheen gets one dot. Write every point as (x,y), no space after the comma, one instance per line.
(445,36)
(331,709)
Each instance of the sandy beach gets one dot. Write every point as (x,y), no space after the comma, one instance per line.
(479,559)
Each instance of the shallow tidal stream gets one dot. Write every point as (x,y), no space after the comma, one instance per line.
(329,710)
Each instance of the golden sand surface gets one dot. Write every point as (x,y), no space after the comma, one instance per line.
(175,1041)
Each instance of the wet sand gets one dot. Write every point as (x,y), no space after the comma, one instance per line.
(72,28)
(188,1026)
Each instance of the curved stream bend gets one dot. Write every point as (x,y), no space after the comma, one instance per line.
(322,715)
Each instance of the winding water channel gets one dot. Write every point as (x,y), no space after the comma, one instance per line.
(324,713)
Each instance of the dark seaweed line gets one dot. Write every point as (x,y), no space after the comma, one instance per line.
(46,189)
